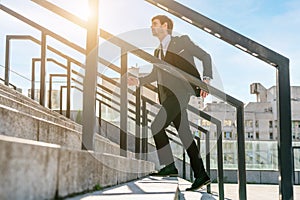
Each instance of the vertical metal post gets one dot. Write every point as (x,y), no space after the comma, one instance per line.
(100,116)
(293,165)
(183,163)
(138,123)
(90,78)
(68,111)
(207,151)
(60,100)
(285,132)
(241,152)
(123,105)
(43,70)
(7,60)
(32,78)
(220,160)
(144,130)
(50,92)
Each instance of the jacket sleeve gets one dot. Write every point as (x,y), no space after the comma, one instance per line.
(201,55)
(153,74)
(149,78)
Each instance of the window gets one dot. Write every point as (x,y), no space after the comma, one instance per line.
(271,136)
(205,123)
(249,123)
(249,135)
(227,122)
(270,124)
(227,135)
(257,135)
(256,123)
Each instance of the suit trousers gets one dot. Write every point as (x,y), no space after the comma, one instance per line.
(174,111)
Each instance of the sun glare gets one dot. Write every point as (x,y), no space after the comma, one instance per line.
(81,9)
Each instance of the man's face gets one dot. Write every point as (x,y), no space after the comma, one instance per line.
(157,28)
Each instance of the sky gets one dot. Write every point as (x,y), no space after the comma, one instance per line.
(272,23)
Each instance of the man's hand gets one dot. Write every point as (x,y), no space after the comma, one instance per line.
(132,81)
(203,93)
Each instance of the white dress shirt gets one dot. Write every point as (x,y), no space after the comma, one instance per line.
(165,44)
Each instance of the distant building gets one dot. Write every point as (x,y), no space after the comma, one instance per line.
(260,116)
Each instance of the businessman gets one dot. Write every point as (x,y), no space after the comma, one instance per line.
(174,93)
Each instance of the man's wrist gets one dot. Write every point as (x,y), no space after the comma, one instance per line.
(207,78)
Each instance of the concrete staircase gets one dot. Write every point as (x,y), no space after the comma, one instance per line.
(41,156)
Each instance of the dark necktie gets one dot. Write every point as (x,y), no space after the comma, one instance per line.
(161,51)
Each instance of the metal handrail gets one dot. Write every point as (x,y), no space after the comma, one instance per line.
(74,61)
(279,62)
(203,86)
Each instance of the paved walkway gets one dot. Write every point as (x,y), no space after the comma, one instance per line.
(159,188)
(254,192)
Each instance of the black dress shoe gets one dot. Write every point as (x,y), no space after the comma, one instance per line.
(199,182)
(169,170)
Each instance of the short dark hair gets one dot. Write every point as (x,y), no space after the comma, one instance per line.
(164,19)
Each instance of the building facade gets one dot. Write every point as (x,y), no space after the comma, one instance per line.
(260,116)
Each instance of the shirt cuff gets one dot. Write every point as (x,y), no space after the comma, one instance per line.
(206,78)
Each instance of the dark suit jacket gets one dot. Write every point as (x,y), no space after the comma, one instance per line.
(180,53)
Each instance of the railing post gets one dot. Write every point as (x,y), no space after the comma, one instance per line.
(68,111)
(7,60)
(183,163)
(123,104)
(60,99)
(220,160)
(138,123)
(207,151)
(50,92)
(144,130)
(285,132)
(32,78)
(241,152)
(43,69)
(100,116)
(90,78)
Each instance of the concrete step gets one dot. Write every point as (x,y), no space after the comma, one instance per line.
(36,111)
(22,125)
(14,99)
(148,188)
(37,170)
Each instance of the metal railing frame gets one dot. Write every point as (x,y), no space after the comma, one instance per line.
(232,101)
(144,142)
(269,56)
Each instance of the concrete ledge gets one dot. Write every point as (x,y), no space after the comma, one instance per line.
(28,169)
(33,108)
(22,125)
(26,100)
(37,170)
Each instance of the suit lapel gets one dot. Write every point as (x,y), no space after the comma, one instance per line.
(170,47)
